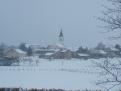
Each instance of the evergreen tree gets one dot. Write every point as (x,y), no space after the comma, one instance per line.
(100,46)
(2,48)
(117,46)
(23,47)
(29,51)
(82,50)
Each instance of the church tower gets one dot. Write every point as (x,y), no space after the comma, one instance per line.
(61,38)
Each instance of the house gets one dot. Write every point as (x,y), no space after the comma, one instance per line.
(61,54)
(97,53)
(83,55)
(113,52)
(14,53)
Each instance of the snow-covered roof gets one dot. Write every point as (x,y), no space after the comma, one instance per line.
(93,50)
(20,51)
(56,46)
(97,51)
(59,45)
(102,52)
(34,45)
(48,54)
(63,50)
(81,54)
(114,49)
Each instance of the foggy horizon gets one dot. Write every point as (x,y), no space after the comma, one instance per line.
(40,21)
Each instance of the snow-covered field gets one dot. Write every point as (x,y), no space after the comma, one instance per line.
(72,74)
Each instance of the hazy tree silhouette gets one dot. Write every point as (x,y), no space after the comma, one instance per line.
(29,51)
(23,47)
(111,68)
(112,17)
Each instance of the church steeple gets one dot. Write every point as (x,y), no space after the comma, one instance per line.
(61,37)
(61,33)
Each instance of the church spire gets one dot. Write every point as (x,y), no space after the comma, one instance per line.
(61,37)
(61,33)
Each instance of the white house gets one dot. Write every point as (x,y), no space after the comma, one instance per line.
(14,53)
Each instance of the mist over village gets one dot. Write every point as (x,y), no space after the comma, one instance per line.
(60,45)
(55,51)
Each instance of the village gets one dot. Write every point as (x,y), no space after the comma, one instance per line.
(10,54)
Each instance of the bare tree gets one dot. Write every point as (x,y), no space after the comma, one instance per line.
(111,68)
(110,73)
(112,16)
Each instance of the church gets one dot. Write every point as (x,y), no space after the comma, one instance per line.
(59,44)
(54,51)
(58,50)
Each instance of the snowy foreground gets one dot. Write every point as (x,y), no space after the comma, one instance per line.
(72,74)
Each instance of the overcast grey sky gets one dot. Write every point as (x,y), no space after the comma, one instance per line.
(39,21)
